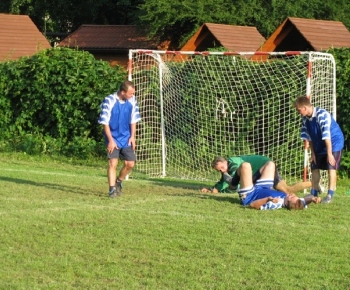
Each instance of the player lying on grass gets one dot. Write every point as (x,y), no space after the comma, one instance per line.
(228,168)
(261,195)
(290,201)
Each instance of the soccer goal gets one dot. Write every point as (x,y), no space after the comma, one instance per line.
(198,105)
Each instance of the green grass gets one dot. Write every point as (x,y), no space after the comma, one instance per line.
(60,231)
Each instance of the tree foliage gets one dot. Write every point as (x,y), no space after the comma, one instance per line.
(67,16)
(174,20)
(178,21)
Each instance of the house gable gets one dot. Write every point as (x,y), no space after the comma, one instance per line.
(300,34)
(232,37)
(20,37)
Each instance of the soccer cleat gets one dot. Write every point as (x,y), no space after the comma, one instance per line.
(242,196)
(118,188)
(112,193)
(327,199)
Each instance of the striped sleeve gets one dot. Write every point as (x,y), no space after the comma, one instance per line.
(271,205)
(135,114)
(324,119)
(304,133)
(106,108)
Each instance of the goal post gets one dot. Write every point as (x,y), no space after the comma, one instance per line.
(199,105)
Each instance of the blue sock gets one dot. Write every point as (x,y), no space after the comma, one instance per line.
(330,192)
(314,192)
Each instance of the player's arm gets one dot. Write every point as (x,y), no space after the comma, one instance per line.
(325,122)
(311,147)
(219,187)
(257,204)
(330,156)
(132,139)
(111,144)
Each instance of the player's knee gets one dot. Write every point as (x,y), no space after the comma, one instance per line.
(270,165)
(129,164)
(112,164)
(245,166)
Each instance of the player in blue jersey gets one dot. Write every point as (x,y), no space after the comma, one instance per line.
(119,116)
(229,167)
(261,195)
(326,142)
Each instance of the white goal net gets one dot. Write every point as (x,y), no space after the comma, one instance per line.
(196,106)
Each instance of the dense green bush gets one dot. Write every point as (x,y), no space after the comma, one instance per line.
(342,58)
(54,98)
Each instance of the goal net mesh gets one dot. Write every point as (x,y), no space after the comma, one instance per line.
(196,106)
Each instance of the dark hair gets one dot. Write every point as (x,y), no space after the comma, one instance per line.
(126,85)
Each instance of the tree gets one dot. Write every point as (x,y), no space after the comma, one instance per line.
(66,16)
(173,20)
(177,21)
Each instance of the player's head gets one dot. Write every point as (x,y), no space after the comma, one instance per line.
(126,90)
(292,202)
(220,164)
(303,106)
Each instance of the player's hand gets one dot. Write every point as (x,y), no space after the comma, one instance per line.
(331,160)
(111,146)
(205,190)
(214,190)
(132,143)
(316,199)
(273,199)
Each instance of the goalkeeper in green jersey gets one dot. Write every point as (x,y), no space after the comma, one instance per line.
(230,178)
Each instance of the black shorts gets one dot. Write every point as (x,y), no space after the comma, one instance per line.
(322,162)
(127,154)
(277,178)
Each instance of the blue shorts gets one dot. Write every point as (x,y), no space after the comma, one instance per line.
(262,192)
(322,163)
(127,154)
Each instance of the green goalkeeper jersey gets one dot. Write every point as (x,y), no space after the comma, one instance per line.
(256,161)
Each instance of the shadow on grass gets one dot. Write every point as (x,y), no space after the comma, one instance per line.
(185,184)
(52,186)
(233,198)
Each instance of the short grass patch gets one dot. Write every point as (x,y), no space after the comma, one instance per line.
(59,230)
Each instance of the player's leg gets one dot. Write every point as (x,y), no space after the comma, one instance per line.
(245,174)
(267,175)
(315,180)
(244,171)
(280,184)
(283,186)
(332,177)
(315,173)
(111,175)
(126,169)
(299,186)
(129,158)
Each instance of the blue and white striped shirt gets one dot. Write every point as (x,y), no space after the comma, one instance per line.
(119,114)
(319,127)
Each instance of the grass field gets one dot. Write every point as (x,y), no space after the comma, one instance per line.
(60,231)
